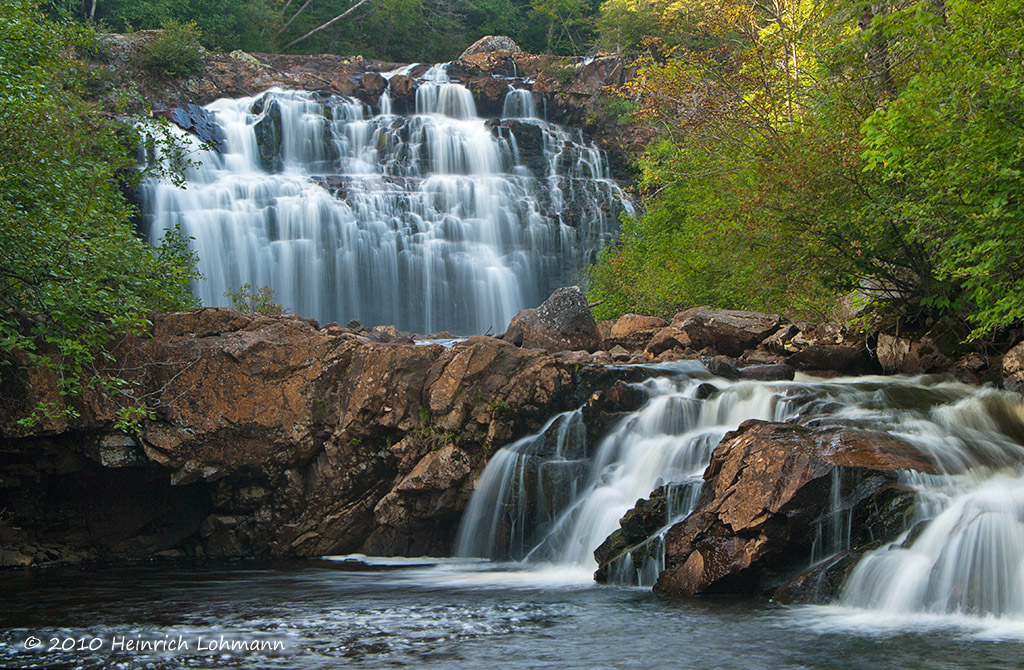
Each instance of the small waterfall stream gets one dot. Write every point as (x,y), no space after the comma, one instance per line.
(963,552)
(440,220)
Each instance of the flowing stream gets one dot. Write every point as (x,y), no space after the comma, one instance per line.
(439,220)
(947,595)
(553,498)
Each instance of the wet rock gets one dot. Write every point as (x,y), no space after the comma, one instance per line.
(488,95)
(197,120)
(269,136)
(768,373)
(705,391)
(402,87)
(766,498)
(722,367)
(562,323)
(646,517)
(371,85)
(619,397)
(729,332)
(841,358)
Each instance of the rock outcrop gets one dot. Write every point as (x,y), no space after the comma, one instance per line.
(562,323)
(269,437)
(767,501)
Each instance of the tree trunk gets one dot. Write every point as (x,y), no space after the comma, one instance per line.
(326,25)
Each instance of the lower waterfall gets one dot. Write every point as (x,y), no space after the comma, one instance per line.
(553,498)
(436,220)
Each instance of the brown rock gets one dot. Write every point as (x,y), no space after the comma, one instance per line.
(372,84)
(730,332)
(911,357)
(489,94)
(781,372)
(1013,368)
(631,324)
(272,438)
(767,491)
(402,87)
(841,358)
(666,339)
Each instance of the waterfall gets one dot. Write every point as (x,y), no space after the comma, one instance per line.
(440,220)
(668,440)
(962,553)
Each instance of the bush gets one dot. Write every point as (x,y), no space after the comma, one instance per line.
(254,301)
(176,51)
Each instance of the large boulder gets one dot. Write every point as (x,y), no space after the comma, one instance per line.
(768,499)
(492,44)
(912,356)
(729,332)
(563,323)
(633,331)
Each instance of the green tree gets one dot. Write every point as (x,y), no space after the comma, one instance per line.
(72,271)
(951,149)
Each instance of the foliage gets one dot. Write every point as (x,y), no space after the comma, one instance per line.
(248,300)
(222,25)
(175,52)
(951,149)
(814,147)
(72,271)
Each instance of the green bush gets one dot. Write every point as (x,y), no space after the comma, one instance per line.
(176,51)
(73,273)
(254,301)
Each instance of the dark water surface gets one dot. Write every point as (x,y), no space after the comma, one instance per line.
(321,614)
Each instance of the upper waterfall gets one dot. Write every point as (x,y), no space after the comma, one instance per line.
(440,220)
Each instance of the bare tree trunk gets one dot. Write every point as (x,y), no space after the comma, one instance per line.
(337,18)
(294,16)
(92,11)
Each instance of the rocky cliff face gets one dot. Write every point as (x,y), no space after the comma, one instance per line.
(269,437)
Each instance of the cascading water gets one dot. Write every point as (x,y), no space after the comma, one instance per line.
(439,220)
(669,440)
(963,552)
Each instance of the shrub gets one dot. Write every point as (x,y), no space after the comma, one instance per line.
(176,51)
(254,301)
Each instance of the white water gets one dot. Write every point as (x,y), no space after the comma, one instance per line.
(436,221)
(965,560)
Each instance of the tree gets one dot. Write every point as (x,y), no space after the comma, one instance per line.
(951,148)
(72,271)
